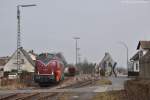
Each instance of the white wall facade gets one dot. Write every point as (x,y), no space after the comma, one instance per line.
(136,66)
(25,64)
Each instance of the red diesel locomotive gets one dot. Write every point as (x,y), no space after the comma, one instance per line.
(48,68)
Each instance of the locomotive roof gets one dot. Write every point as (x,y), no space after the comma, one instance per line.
(50,56)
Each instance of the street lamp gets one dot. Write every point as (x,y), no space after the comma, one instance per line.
(76,48)
(125,45)
(79,56)
(19,35)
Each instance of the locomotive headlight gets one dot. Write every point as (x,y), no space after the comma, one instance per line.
(52,73)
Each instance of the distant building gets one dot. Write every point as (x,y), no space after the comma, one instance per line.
(27,62)
(3,61)
(108,65)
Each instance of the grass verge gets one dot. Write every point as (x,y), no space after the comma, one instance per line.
(103,81)
(112,95)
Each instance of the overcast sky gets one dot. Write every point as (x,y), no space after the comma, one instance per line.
(52,24)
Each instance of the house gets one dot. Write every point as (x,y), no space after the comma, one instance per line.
(144,59)
(139,60)
(32,55)
(3,61)
(134,65)
(135,60)
(143,47)
(145,66)
(27,64)
(108,65)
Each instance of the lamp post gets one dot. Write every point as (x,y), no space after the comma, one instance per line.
(19,36)
(76,48)
(79,56)
(127,51)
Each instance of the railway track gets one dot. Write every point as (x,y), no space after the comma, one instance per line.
(7,96)
(26,96)
(80,84)
(29,96)
(43,95)
(46,95)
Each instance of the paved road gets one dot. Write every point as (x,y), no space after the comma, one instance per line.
(117,84)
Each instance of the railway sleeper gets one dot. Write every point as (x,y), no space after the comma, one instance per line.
(26,96)
(44,97)
(8,97)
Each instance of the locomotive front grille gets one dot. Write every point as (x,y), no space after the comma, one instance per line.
(44,78)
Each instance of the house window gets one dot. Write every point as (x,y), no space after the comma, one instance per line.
(22,61)
(136,66)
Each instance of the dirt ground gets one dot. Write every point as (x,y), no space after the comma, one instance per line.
(113,95)
(103,81)
(90,94)
(138,89)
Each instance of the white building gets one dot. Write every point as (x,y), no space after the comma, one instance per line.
(142,49)
(27,64)
(108,65)
(134,66)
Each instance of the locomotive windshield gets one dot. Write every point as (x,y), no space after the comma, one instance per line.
(45,57)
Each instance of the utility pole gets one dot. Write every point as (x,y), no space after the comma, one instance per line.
(19,37)
(79,56)
(76,48)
